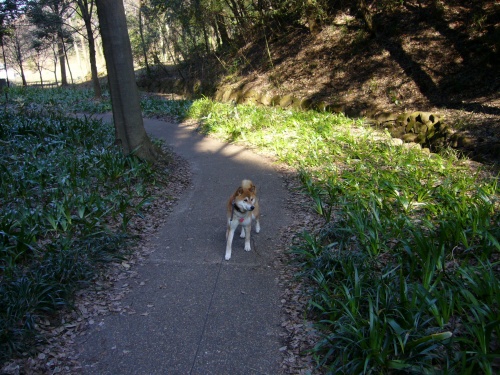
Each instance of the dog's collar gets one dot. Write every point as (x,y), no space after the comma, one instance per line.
(235,207)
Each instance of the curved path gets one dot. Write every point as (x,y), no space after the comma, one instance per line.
(196,312)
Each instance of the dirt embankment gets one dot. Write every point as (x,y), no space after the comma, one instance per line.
(440,57)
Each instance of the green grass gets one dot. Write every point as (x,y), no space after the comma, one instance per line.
(67,195)
(404,270)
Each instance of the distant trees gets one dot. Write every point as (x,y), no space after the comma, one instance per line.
(8,14)
(164,31)
(197,28)
(49,17)
(18,49)
(85,9)
(52,26)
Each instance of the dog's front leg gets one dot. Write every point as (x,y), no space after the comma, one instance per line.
(229,244)
(248,229)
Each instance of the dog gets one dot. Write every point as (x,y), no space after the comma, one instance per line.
(242,208)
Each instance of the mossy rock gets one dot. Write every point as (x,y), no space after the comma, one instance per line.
(250,97)
(266,99)
(234,96)
(286,101)
(306,104)
(385,118)
(320,106)
(410,137)
(275,101)
(397,131)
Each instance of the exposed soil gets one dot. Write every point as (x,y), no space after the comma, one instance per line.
(423,55)
(421,60)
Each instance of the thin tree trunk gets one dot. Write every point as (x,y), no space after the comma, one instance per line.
(93,68)
(23,77)
(19,58)
(62,62)
(86,9)
(55,63)
(67,61)
(5,64)
(39,68)
(127,115)
(143,42)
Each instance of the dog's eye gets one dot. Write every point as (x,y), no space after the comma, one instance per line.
(246,199)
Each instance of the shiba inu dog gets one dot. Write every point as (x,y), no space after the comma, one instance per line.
(242,208)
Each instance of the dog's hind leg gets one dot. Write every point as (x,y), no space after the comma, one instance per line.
(242,235)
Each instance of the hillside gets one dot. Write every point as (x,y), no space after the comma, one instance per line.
(426,56)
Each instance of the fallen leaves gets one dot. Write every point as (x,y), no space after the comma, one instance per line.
(58,353)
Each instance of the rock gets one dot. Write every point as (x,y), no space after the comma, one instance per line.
(410,137)
(286,101)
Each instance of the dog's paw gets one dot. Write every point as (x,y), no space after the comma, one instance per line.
(247,247)
(242,235)
(257,227)
(227,257)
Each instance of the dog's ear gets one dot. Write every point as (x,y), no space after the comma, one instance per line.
(239,191)
(252,188)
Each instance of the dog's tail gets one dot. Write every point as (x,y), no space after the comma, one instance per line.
(247,184)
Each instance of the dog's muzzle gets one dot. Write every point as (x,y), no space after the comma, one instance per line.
(252,208)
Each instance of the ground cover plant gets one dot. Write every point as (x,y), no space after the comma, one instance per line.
(67,195)
(404,270)
(70,101)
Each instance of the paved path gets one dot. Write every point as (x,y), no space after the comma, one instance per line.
(205,315)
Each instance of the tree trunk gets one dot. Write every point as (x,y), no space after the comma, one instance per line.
(5,64)
(39,68)
(55,63)
(367,16)
(66,59)
(87,19)
(143,42)
(62,62)
(127,115)
(19,58)
(221,27)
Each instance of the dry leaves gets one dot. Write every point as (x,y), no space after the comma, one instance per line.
(58,354)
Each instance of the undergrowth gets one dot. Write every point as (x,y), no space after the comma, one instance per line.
(404,272)
(69,101)
(67,195)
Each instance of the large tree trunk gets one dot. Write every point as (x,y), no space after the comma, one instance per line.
(127,115)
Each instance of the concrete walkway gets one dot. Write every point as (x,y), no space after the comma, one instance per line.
(196,312)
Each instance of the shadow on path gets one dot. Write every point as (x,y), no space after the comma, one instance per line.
(195,312)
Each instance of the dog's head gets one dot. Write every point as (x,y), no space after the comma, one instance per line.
(245,197)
